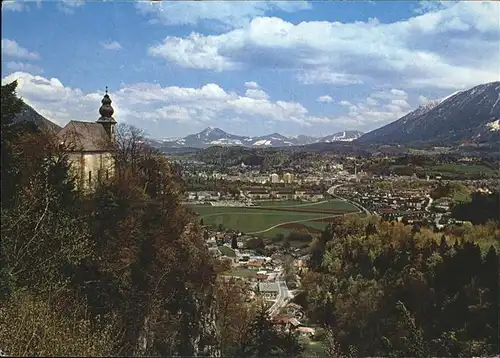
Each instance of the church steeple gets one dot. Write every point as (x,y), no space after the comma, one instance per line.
(106,119)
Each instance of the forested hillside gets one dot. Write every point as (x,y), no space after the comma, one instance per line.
(385,289)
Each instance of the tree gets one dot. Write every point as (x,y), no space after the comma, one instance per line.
(290,272)
(11,134)
(234,242)
(129,147)
(44,238)
(30,326)
(424,298)
(42,234)
(234,314)
(153,271)
(264,340)
(332,347)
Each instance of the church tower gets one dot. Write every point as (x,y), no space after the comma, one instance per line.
(106,119)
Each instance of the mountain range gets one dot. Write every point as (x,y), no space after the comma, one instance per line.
(216,136)
(468,117)
(465,117)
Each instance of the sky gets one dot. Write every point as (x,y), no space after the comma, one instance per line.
(250,68)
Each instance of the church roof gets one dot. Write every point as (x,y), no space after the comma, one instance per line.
(85,137)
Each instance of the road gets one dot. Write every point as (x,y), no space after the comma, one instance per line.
(427,208)
(292,222)
(361,208)
(438,215)
(282,298)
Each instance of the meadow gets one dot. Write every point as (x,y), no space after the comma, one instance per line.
(271,218)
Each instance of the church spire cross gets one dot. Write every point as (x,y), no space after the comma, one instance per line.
(106,89)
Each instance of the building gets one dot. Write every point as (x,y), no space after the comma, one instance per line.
(258,193)
(269,290)
(283,193)
(90,146)
(274,178)
(287,178)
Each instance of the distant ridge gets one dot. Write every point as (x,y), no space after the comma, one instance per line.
(217,137)
(469,116)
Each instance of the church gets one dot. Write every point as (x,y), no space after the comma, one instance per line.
(90,146)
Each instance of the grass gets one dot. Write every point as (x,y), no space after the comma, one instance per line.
(462,170)
(257,219)
(227,251)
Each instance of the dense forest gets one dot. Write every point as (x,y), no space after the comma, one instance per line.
(385,289)
(123,270)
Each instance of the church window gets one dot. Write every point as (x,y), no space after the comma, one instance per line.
(90,176)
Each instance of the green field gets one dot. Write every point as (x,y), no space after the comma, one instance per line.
(270,219)
(462,171)
(227,251)
(279,203)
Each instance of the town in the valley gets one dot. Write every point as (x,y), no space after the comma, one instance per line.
(260,220)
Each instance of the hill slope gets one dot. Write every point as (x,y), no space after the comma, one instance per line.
(465,116)
(28,114)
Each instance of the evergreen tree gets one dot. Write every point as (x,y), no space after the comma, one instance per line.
(265,340)
(234,242)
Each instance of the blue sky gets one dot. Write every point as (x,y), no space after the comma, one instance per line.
(250,68)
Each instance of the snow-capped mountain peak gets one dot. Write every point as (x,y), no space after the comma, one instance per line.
(346,136)
(211,131)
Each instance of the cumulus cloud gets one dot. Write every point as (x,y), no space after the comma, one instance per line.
(144,103)
(436,49)
(376,110)
(252,84)
(225,14)
(401,103)
(113,45)
(325,99)
(13,49)
(189,109)
(195,51)
(390,94)
(256,93)
(423,100)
